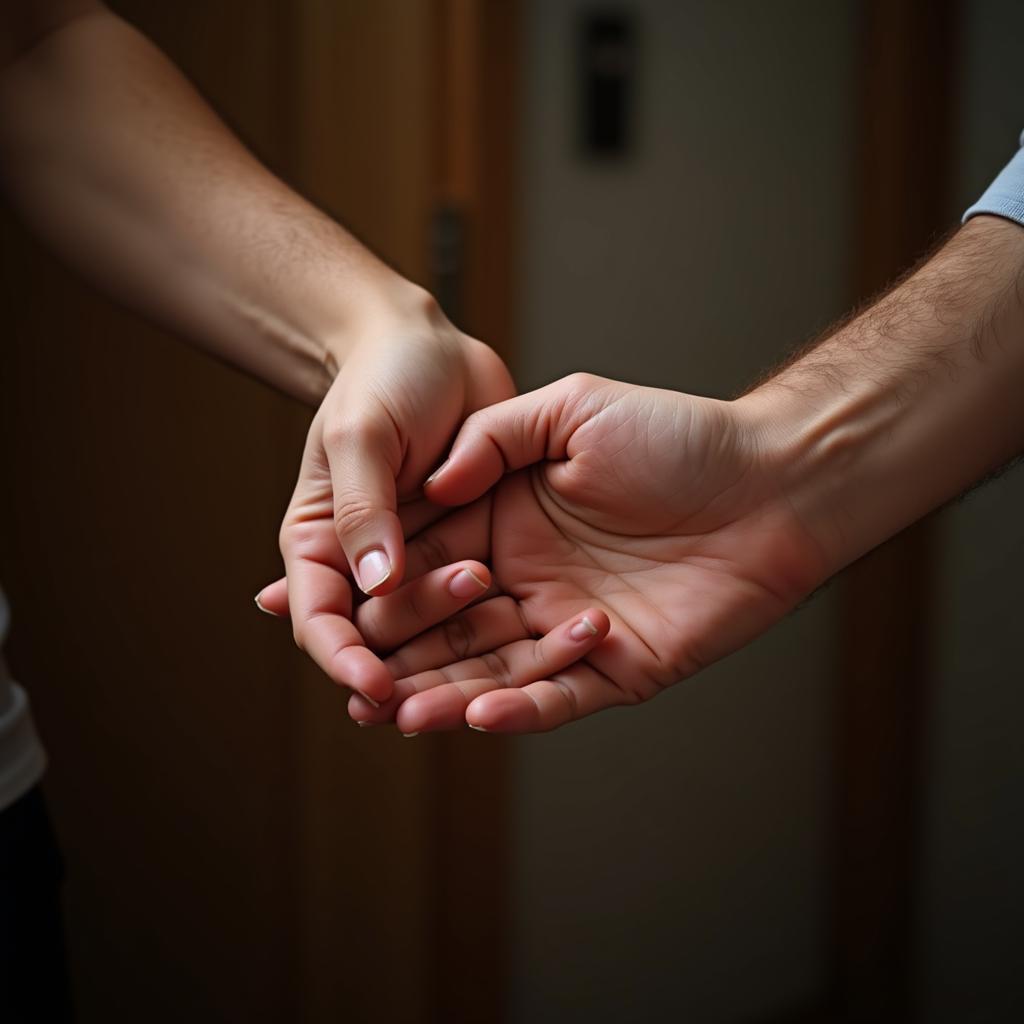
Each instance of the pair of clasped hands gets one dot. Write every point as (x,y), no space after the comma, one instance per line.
(576,548)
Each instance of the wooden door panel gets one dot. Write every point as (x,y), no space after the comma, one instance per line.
(236,848)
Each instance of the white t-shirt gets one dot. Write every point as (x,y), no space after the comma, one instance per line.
(21,754)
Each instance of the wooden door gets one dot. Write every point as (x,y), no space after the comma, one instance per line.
(236,849)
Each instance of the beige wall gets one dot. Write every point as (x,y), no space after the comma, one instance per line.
(673,859)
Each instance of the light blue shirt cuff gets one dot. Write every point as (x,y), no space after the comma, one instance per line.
(1005,196)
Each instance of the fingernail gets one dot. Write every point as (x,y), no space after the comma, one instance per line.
(466,583)
(479,728)
(583,630)
(369,700)
(266,611)
(363,725)
(409,735)
(437,472)
(373,569)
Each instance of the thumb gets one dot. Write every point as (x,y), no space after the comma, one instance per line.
(364,454)
(514,434)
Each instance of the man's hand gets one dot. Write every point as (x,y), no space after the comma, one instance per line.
(660,508)
(698,523)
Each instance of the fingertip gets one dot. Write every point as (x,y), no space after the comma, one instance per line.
(374,546)
(437,472)
(409,720)
(591,627)
(364,672)
(503,711)
(273,598)
(379,569)
(469,580)
(441,708)
(363,711)
(473,467)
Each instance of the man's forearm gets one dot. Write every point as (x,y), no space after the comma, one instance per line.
(910,403)
(119,164)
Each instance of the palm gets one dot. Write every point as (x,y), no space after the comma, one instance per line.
(664,517)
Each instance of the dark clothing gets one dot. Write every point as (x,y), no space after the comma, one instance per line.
(34,985)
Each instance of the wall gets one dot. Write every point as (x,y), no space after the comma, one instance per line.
(673,859)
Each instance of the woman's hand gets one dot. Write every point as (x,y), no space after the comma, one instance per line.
(405,385)
(665,510)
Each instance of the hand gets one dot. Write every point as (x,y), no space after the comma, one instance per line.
(403,389)
(666,510)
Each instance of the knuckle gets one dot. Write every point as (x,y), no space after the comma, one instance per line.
(475,423)
(581,382)
(433,551)
(458,635)
(415,610)
(412,621)
(397,665)
(498,668)
(337,437)
(539,656)
(369,625)
(521,615)
(481,423)
(344,435)
(570,698)
(296,537)
(352,515)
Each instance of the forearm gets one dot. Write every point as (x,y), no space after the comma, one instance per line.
(116,161)
(910,403)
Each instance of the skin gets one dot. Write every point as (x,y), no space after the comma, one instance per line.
(102,137)
(695,524)
(655,506)
(650,531)
(380,429)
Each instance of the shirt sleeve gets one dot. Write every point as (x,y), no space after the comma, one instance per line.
(1005,196)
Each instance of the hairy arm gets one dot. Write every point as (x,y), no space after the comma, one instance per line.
(910,403)
(115,160)
(695,524)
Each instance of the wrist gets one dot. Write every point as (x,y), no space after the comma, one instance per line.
(906,406)
(827,451)
(388,305)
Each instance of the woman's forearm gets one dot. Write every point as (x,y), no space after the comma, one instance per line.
(118,163)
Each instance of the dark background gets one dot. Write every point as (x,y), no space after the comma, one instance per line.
(825,827)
